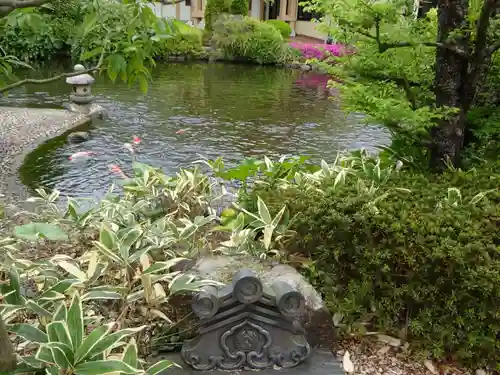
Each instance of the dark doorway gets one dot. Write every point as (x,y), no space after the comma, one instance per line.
(274,9)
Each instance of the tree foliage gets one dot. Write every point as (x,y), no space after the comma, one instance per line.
(213,9)
(119,38)
(419,77)
(239,7)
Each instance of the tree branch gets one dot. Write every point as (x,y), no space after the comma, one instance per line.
(482,53)
(482,28)
(382,47)
(28,81)
(7,6)
(493,48)
(172,2)
(385,46)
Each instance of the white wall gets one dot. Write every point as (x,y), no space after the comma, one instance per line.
(168,10)
(185,12)
(308,28)
(255,12)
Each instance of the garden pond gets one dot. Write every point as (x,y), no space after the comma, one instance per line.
(190,111)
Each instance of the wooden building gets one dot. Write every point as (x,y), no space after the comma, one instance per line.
(287,10)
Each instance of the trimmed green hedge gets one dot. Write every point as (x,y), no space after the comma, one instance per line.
(425,262)
(213,9)
(239,7)
(186,41)
(284,28)
(247,39)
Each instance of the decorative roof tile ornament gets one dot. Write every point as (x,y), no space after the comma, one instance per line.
(247,325)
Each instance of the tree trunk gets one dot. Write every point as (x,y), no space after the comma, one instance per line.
(7,357)
(425,6)
(451,80)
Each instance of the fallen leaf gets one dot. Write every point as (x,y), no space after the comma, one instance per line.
(383,350)
(337,318)
(347,363)
(430,367)
(392,341)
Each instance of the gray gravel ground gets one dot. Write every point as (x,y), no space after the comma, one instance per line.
(21,131)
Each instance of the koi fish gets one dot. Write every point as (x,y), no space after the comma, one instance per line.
(116,169)
(129,147)
(136,140)
(81,154)
(181,131)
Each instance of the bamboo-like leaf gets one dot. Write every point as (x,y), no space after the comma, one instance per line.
(326,168)
(104,367)
(91,341)
(148,287)
(92,267)
(160,367)
(130,354)
(159,292)
(268,235)
(75,322)
(61,312)
(59,347)
(136,256)
(73,270)
(45,355)
(130,238)
(29,332)
(107,253)
(278,217)
(479,196)
(59,332)
(36,308)
(99,294)
(62,286)
(265,216)
(110,340)
(161,315)
(161,266)
(107,237)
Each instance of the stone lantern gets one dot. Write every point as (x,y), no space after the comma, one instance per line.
(81,96)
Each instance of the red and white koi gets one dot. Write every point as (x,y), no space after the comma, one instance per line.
(136,140)
(129,147)
(181,131)
(116,169)
(82,154)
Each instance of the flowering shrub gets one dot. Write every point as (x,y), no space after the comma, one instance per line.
(318,51)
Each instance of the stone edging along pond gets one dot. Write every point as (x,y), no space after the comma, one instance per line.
(23,130)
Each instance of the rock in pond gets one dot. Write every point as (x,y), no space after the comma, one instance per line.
(316,319)
(78,137)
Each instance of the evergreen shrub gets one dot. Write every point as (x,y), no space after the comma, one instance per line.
(425,263)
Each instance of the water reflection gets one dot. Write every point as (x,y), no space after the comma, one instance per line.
(234,111)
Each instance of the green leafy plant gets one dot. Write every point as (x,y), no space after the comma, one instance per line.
(247,39)
(402,252)
(283,27)
(239,7)
(67,347)
(213,10)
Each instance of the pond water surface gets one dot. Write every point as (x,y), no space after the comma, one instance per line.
(233,111)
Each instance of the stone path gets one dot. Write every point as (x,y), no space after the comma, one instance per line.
(22,130)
